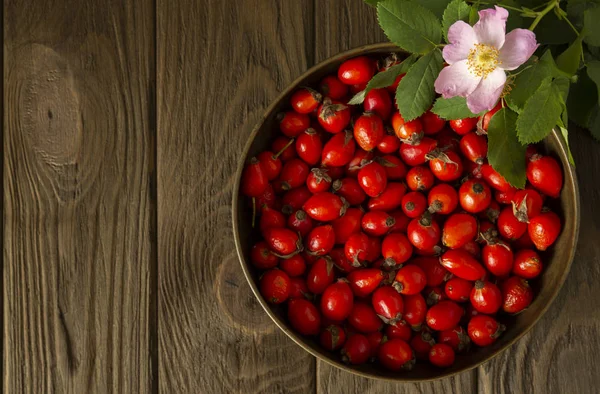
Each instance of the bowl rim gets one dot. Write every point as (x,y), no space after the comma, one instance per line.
(569,176)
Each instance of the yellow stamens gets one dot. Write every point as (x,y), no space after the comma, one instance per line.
(483,59)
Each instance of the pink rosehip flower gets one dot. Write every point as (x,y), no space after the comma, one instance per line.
(479,55)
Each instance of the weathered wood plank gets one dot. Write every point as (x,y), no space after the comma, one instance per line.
(560,354)
(79,213)
(219,66)
(342,25)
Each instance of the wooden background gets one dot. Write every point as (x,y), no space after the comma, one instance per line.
(123,123)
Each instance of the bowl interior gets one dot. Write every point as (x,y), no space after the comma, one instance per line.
(557,261)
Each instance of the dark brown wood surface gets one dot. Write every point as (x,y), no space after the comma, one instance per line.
(123,125)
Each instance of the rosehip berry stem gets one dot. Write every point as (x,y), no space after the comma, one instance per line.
(290,142)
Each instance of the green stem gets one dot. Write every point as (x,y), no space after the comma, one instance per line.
(549,7)
(500,4)
(570,24)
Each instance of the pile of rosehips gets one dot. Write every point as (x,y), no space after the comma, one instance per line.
(393,240)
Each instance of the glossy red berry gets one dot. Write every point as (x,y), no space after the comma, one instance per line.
(545,174)
(337,301)
(293,266)
(458,289)
(395,169)
(474,147)
(463,126)
(474,195)
(434,272)
(356,71)
(320,240)
(283,241)
(509,226)
(414,204)
(348,224)
(441,355)
(421,344)
(298,288)
(486,297)
(442,199)
(389,199)
(304,316)
(372,179)
(516,294)
(292,123)
(305,100)
(294,199)
(457,338)
(420,179)
(309,146)
(388,144)
(488,116)
(432,123)
(320,275)
(498,258)
(333,88)
(401,330)
(459,229)
(283,146)
(293,174)
(378,101)
(410,280)
(544,229)
(527,264)
(262,257)
(324,207)
(334,116)
(396,249)
(494,179)
(356,350)
(368,131)
(462,264)
(271,164)
(350,190)
(357,248)
(446,166)
(300,222)
(396,355)
(444,315)
(527,204)
(484,330)
(271,218)
(363,318)
(505,197)
(275,286)
(339,150)
(377,223)
(388,304)
(415,309)
(332,337)
(424,233)
(365,280)
(414,155)
(411,132)
(254,180)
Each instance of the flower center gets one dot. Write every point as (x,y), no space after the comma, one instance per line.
(483,59)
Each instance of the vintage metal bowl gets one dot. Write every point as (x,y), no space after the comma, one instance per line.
(557,260)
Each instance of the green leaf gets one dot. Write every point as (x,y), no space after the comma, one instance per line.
(415,92)
(435,6)
(528,81)
(473,15)
(372,2)
(565,134)
(505,152)
(591,22)
(593,71)
(562,84)
(452,108)
(409,25)
(457,10)
(576,9)
(569,60)
(540,114)
(583,100)
(553,31)
(384,79)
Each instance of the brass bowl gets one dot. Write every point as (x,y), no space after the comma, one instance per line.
(556,262)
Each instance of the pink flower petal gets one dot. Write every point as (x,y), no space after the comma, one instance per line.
(456,80)
(462,39)
(487,93)
(491,27)
(518,47)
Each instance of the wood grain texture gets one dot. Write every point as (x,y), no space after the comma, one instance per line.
(560,353)
(219,67)
(78,208)
(342,25)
